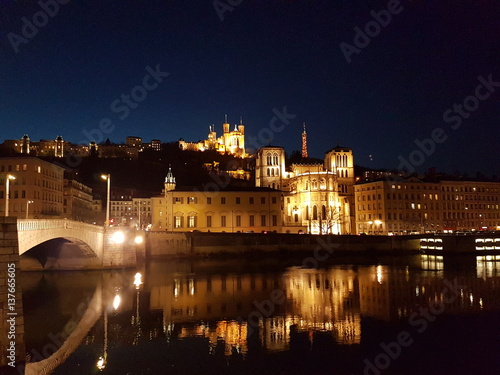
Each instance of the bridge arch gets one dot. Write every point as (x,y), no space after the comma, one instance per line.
(35,232)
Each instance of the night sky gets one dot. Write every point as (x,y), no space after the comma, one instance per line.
(262,56)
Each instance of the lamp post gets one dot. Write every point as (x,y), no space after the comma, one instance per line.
(7,186)
(108,178)
(27,208)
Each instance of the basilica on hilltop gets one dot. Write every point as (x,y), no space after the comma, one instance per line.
(232,142)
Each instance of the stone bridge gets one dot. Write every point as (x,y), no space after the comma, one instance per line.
(79,245)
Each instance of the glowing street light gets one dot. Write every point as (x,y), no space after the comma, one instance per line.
(137,280)
(7,186)
(118,237)
(108,178)
(27,207)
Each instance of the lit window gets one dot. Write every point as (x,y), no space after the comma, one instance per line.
(178,222)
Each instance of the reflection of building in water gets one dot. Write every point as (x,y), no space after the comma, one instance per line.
(432,262)
(326,300)
(488,266)
(190,299)
(332,301)
(233,333)
(389,293)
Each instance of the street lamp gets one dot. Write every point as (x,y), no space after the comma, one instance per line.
(108,178)
(27,207)
(7,185)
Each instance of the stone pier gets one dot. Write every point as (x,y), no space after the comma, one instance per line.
(12,351)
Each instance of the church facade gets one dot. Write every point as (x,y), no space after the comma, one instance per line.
(317,198)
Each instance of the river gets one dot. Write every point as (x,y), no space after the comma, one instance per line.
(413,315)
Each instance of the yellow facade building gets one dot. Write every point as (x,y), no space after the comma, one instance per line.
(35,186)
(223,210)
(415,206)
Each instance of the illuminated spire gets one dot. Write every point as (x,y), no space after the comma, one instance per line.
(170,179)
(304,143)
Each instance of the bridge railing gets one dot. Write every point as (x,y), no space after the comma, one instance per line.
(40,224)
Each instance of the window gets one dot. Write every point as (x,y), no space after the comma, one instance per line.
(191,200)
(238,200)
(273,200)
(263,220)
(178,222)
(275,220)
(262,200)
(223,221)
(252,218)
(223,200)
(250,200)
(191,221)
(238,220)
(209,221)
(178,200)
(209,200)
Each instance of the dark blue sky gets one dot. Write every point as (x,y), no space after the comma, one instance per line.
(263,55)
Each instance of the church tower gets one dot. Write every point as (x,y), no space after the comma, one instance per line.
(59,147)
(270,167)
(169,181)
(25,145)
(304,143)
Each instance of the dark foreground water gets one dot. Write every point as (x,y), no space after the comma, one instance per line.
(418,315)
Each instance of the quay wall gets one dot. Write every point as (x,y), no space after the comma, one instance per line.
(210,244)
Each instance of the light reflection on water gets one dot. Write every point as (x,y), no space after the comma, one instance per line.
(238,317)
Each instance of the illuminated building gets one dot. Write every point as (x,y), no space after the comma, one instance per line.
(415,206)
(59,148)
(318,198)
(226,210)
(78,202)
(35,180)
(231,142)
